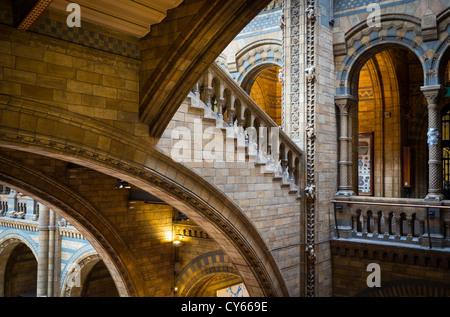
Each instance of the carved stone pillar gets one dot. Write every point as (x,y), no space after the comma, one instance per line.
(345,105)
(433,95)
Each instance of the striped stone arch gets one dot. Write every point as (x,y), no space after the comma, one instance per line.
(442,52)
(408,288)
(64,135)
(201,267)
(75,208)
(8,241)
(9,235)
(81,265)
(364,42)
(255,57)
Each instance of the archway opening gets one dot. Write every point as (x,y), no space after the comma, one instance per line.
(217,285)
(99,283)
(264,87)
(20,278)
(391,125)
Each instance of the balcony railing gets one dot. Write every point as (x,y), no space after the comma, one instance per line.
(407,221)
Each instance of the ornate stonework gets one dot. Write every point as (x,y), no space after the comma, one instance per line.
(310,74)
(295,69)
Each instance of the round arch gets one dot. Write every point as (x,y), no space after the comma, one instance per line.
(140,164)
(442,53)
(77,273)
(78,211)
(364,42)
(7,244)
(201,269)
(349,71)
(248,78)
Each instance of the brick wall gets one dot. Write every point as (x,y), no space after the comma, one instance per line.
(80,79)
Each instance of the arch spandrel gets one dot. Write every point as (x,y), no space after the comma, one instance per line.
(139,163)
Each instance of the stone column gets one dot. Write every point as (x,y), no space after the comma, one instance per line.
(57,257)
(345,105)
(51,254)
(42,274)
(433,95)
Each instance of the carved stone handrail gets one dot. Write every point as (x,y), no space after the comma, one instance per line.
(232,104)
(393,220)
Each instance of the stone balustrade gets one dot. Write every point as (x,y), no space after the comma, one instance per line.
(20,211)
(235,111)
(408,221)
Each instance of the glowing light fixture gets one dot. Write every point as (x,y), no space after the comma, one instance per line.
(178,241)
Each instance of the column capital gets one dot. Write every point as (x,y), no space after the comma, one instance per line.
(345,102)
(433,93)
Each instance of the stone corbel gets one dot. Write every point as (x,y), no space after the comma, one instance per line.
(429,27)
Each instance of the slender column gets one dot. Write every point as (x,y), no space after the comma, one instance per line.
(42,274)
(231,110)
(433,95)
(398,226)
(208,89)
(57,259)
(51,254)
(345,104)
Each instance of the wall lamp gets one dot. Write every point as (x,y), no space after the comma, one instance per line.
(178,241)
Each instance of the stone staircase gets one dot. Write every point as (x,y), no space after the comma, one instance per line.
(258,171)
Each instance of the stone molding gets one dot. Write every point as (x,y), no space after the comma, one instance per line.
(219,210)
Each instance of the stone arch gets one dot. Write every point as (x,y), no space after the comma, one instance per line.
(247,78)
(364,42)
(201,268)
(265,53)
(7,244)
(170,71)
(79,212)
(81,266)
(442,53)
(95,145)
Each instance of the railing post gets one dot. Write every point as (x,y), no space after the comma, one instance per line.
(336,208)
(428,228)
(410,233)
